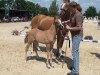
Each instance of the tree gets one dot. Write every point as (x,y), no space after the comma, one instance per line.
(43,10)
(30,6)
(53,9)
(6,7)
(2,4)
(20,4)
(33,8)
(37,9)
(99,15)
(90,12)
(11,4)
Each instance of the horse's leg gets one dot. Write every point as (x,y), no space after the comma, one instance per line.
(63,59)
(63,33)
(61,43)
(48,55)
(60,40)
(38,46)
(35,48)
(26,49)
(66,48)
(58,43)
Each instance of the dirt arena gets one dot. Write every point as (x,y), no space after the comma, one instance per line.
(12,61)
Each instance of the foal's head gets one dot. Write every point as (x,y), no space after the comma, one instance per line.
(56,19)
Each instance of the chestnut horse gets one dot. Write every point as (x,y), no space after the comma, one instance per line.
(46,36)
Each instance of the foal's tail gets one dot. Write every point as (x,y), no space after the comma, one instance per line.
(26,38)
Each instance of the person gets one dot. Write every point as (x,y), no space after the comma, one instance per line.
(79,8)
(61,33)
(76,29)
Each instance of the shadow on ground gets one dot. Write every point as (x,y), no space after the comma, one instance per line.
(42,59)
(68,61)
(96,54)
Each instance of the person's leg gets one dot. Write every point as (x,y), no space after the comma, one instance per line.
(75,52)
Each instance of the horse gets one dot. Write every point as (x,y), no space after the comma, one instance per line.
(61,33)
(47,37)
(35,22)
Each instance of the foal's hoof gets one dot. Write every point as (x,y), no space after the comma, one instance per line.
(26,61)
(51,65)
(48,67)
(62,56)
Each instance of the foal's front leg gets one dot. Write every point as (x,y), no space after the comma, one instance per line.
(35,44)
(48,55)
(51,64)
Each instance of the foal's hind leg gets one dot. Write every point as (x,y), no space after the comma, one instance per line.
(26,49)
(51,53)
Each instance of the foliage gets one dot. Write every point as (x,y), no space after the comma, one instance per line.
(90,12)
(43,10)
(20,4)
(2,4)
(99,15)
(35,8)
(53,9)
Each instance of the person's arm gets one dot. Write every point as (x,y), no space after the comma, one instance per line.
(74,28)
(66,21)
(79,21)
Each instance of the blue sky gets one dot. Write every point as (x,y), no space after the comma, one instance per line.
(84,3)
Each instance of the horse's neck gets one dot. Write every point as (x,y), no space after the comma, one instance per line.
(52,20)
(64,6)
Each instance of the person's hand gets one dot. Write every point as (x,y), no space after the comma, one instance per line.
(68,27)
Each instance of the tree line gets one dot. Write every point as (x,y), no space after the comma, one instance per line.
(37,9)
(91,12)
(27,5)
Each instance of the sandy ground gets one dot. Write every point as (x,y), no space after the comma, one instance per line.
(12,61)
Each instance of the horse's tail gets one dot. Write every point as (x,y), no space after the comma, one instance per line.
(69,42)
(26,38)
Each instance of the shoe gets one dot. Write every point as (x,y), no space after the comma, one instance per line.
(72,73)
(61,56)
(70,68)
